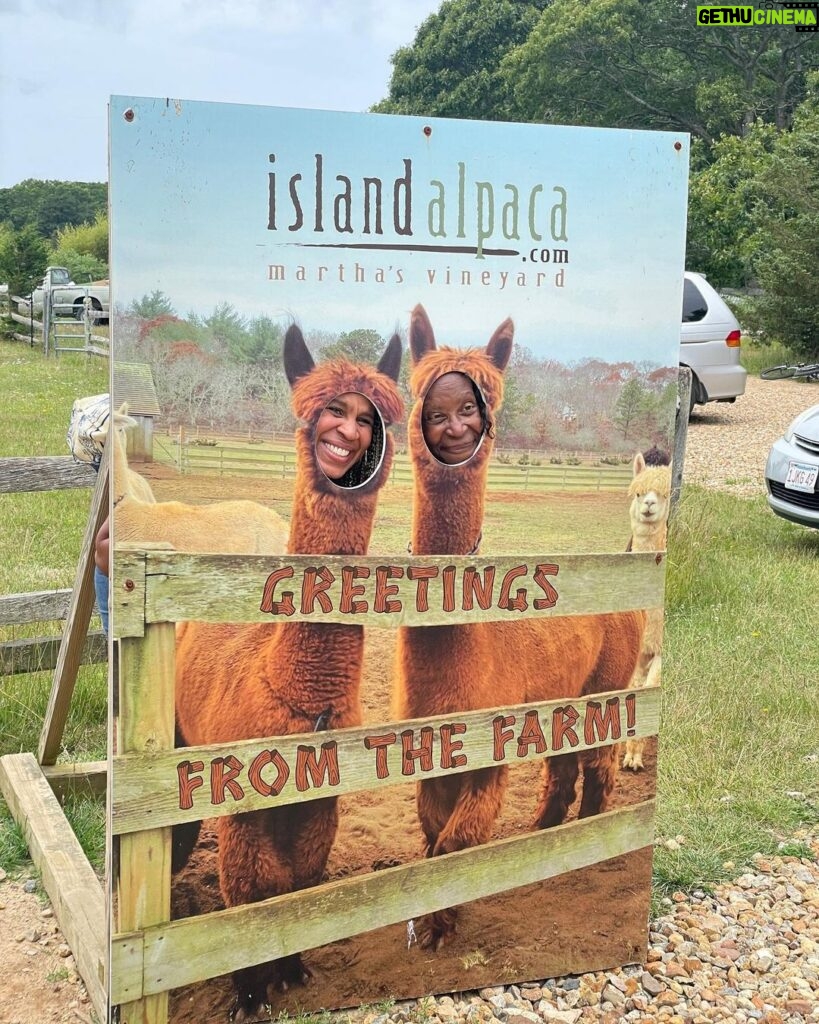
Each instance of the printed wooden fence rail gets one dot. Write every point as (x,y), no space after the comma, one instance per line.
(156,786)
(214,459)
(31,786)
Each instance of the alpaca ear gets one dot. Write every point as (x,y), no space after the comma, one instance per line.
(422,340)
(390,361)
(297,358)
(639,464)
(499,348)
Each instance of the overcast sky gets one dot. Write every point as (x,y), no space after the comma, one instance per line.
(60,61)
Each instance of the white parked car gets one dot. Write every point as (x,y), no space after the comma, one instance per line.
(792,471)
(710,344)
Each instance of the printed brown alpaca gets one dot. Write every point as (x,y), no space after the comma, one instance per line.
(244,681)
(445,669)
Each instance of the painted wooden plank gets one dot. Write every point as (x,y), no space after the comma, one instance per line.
(73,888)
(40,654)
(38,606)
(77,777)
(194,949)
(380,591)
(43,473)
(76,627)
(152,790)
(146,723)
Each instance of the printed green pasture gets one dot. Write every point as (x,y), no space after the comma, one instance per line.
(39,550)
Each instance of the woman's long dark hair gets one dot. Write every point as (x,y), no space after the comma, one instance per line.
(369,462)
(488,425)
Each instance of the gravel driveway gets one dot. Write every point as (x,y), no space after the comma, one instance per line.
(728,444)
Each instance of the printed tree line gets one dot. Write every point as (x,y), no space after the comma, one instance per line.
(224,372)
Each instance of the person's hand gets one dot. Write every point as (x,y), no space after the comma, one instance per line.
(102,543)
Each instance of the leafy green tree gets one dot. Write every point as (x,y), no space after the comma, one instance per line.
(90,238)
(631,63)
(23,259)
(786,241)
(452,68)
(260,343)
(51,205)
(151,306)
(722,197)
(82,266)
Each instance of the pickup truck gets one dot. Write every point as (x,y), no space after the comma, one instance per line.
(68,298)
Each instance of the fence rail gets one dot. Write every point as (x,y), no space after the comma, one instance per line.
(537,474)
(59,330)
(151,954)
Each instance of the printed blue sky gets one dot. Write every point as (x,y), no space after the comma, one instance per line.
(189,193)
(59,63)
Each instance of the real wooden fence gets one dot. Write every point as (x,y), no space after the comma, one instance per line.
(152,954)
(32,786)
(58,331)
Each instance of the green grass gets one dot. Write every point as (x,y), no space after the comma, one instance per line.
(39,549)
(740,724)
(757,357)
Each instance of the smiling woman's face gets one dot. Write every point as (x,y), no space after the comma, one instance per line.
(451,419)
(343,433)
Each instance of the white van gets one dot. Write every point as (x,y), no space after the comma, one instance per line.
(710,344)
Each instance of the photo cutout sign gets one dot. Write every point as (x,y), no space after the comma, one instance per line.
(395,402)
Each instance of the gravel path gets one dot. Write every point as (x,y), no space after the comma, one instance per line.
(728,444)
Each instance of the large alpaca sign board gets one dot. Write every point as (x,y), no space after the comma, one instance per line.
(382,639)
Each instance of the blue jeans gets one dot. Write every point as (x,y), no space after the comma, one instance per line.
(101,588)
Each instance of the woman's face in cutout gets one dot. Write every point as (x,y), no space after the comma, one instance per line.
(451,419)
(343,433)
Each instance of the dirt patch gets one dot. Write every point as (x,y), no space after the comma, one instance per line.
(39,981)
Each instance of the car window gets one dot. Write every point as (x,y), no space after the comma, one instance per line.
(694,305)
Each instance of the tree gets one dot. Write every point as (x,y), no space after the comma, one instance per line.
(722,196)
(359,346)
(23,259)
(629,63)
(261,342)
(149,307)
(51,205)
(632,406)
(786,241)
(89,238)
(452,69)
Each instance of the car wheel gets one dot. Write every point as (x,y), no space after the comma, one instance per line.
(79,310)
(692,395)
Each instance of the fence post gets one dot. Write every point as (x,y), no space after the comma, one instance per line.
(680,435)
(46,314)
(146,723)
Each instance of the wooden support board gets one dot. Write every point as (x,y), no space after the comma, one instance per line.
(74,890)
(76,627)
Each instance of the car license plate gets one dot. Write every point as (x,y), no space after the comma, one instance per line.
(801,477)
